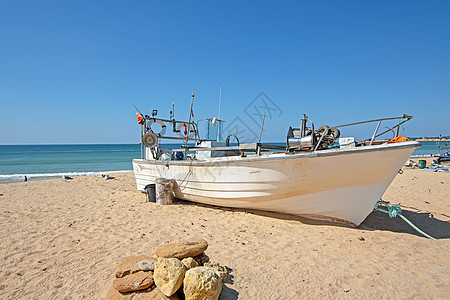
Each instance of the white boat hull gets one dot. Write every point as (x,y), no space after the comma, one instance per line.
(339,185)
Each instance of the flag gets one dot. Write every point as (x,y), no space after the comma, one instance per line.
(140,118)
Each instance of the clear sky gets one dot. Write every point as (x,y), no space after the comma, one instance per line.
(69,70)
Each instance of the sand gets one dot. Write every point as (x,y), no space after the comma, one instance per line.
(63,239)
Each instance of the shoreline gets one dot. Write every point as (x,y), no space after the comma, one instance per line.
(444,140)
(47,160)
(49,176)
(10,178)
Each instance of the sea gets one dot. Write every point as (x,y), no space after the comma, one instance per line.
(38,162)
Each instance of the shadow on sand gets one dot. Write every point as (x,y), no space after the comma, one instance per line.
(375,221)
(268,214)
(425,221)
(227,292)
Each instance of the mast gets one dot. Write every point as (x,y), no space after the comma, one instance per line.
(190,116)
(220,100)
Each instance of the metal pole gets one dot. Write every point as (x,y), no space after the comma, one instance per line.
(262,126)
(384,119)
(220,100)
(192,103)
(189,124)
(320,140)
(373,136)
(141,144)
(173,110)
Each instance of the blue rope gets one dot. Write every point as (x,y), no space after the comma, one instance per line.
(394,211)
(337,145)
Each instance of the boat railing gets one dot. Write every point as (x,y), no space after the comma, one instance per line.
(375,133)
(308,139)
(150,120)
(254,147)
(185,131)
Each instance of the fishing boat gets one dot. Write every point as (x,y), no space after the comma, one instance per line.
(316,174)
(444,153)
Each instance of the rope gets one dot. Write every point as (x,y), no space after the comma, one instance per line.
(185,178)
(337,145)
(394,211)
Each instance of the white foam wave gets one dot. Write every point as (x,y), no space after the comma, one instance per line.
(21,177)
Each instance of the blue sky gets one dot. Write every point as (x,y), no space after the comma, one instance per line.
(69,70)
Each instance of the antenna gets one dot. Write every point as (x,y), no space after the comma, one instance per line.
(220,100)
(136,108)
(190,115)
(262,126)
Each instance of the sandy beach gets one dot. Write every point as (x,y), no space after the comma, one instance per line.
(63,239)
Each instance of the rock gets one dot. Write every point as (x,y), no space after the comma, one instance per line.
(130,265)
(114,294)
(147,294)
(189,248)
(202,283)
(169,274)
(189,262)
(133,282)
(219,269)
(156,294)
(202,259)
(147,265)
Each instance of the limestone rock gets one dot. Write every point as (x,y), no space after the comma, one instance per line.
(147,265)
(202,283)
(133,282)
(188,248)
(130,265)
(114,294)
(220,269)
(189,262)
(169,274)
(147,294)
(156,294)
(202,259)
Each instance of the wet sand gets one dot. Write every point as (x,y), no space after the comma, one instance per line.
(63,239)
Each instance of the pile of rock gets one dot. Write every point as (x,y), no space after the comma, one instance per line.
(180,270)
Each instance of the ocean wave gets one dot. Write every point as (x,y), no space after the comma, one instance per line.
(39,176)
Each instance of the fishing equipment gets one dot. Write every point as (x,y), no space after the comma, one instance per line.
(398,139)
(149,139)
(306,138)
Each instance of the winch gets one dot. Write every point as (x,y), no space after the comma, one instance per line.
(307,138)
